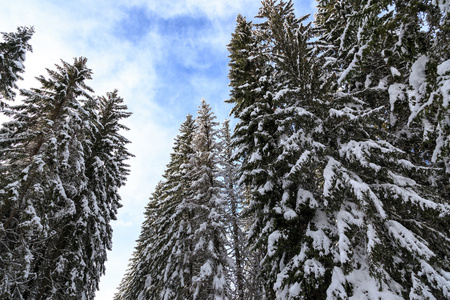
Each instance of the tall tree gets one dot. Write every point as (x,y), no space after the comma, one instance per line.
(340,203)
(181,252)
(161,267)
(55,211)
(247,88)
(43,167)
(12,57)
(269,154)
(140,280)
(206,204)
(234,199)
(391,202)
(105,156)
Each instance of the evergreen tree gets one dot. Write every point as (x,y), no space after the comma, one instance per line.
(233,197)
(161,266)
(341,205)
(393,190)
(206,204)
(12,57)
(55,211)
(181,252)
(246,66)
(138,278)
(270,152)
(105,171)
(43,171)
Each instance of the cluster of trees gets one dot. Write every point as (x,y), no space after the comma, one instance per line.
(62,160)
(335,183)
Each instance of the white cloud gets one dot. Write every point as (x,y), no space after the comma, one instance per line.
(211,8)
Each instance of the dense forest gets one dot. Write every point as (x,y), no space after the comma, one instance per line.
(334,183)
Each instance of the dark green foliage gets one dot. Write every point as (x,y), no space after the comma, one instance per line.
(138,282)
(12,57)
(333,149)
(62,161)
(161,266)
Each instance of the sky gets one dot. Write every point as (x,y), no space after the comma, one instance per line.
(163,57)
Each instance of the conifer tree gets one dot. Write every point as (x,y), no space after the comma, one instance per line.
(97,204)
(161,266)
(12,57)
(206,204)
(246,67)
(342,212)
(393,194)
(137,283)
(55,211)
(269,154)
(42,164)
(234,222)
(181,252)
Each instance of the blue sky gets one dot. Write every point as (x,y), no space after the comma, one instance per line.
(162,56)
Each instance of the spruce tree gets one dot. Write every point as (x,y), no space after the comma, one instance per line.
(55,210)
(347,202)
(106,170)
(43,169)
(137,283)
(246,66)
(161,267)
(181,252)
(206,205)
(12,57)
(394,191)
(233,196)
(270,152)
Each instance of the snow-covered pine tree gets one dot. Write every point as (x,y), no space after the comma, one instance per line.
(206,205)
(368,218)
(105,154)
(234,218)
(272,154)
(161,267)
(383,198)
(248,86)
(254,134)
(181,252)
(12,57)
(46,242)
(137,282)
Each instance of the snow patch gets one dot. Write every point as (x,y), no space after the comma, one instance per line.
(272,239)
(408,240)
(290,214)
(418,75)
